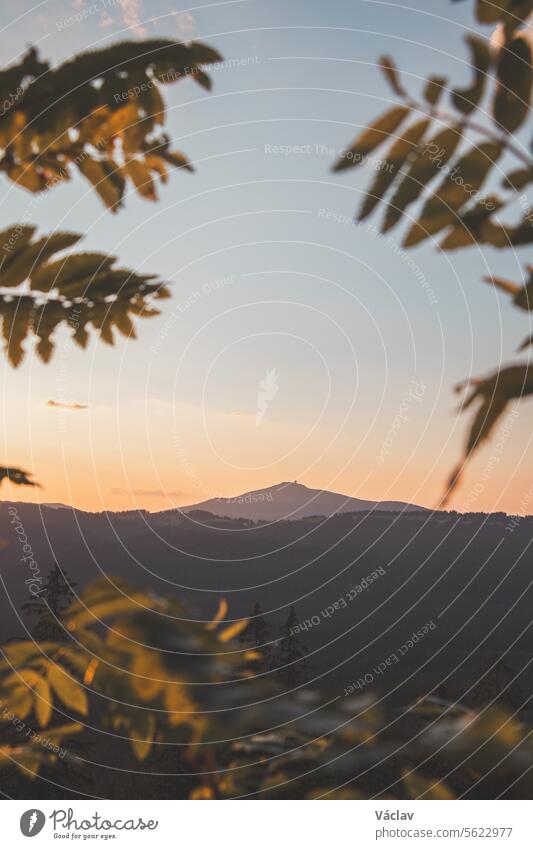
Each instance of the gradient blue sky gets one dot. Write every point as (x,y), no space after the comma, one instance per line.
(263,279)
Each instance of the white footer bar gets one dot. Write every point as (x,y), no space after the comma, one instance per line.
(264,824)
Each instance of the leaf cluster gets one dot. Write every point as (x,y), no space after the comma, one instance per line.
(436,168)
(98,114)
(45,286)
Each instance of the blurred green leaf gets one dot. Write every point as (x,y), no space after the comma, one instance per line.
(67,689)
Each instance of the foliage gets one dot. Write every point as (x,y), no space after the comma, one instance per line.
(97,114)
(135,667)
(508,13)
(441,161)
(16,476)
(138,670)
(41,291)
(141,662)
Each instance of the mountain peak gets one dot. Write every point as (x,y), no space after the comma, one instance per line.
(292,500)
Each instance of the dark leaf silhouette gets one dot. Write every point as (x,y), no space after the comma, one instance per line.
(392,76)
(455,192)
(522,295)
(426,164)
(39,293)
(434,89)
(16,476)
(518,179)
(513,91)
(394,159)
(511,13)
(465,100)
(455,207)
(493,395)
(371,138)
(476,227)
(97,113)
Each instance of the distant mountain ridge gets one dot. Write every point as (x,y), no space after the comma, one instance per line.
(286,501)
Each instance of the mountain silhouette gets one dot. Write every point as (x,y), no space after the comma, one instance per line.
(292,501)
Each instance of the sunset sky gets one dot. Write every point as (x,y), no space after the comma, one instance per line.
(271,281)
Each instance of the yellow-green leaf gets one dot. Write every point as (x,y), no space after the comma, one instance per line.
(420,787)
(42,702)
(232,631)
(68,690)
(141,726)
(107,181)
(140,175)
(18,699)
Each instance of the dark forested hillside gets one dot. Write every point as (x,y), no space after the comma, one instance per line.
(361,585)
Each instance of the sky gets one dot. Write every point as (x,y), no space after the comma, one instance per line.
(296,345)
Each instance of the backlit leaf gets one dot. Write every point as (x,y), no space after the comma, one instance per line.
(232,631)
(141,178)
(219,615)
(42,702)
(420,787)
(69,691)
(107,181)
(141,727)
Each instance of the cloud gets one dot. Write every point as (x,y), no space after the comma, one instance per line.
(66,406)
(131,12)
(148,493)
(105,21)
(185,25)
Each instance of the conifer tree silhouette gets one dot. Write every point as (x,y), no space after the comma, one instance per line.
(288,659)
(56,595)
